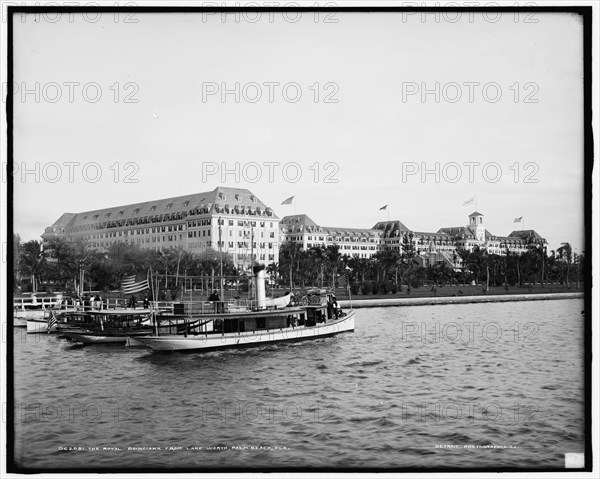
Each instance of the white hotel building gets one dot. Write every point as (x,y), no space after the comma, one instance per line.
(236,221)
(247,226)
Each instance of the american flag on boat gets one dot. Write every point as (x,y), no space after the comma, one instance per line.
(52,320)
(129,285)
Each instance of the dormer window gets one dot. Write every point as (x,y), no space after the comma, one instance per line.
(169,206)
(136,211)
(185,203)
(153,208)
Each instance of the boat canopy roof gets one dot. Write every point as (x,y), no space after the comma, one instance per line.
(120,312)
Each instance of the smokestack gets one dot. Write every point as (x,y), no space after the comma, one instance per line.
(259,279)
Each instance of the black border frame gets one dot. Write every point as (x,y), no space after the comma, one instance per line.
(586,14)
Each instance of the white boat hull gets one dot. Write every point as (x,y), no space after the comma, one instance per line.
(38,326)
(231,340)
(19,322)
(95,338)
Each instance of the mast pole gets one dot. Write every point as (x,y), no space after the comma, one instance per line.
(221,261)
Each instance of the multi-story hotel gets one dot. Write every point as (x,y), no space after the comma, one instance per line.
(244,225)
(301,229)
(431,248)
(237,222)
(442,246)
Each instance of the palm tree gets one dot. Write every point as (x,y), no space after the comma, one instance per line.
(273,271)
(31,262)
(333,259)
(407,261)
(485,259)
(289,255)
(565,253)
(17,247)
(64,266)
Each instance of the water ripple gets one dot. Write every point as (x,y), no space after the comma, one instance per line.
(404,390)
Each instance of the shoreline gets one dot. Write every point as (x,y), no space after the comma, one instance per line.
(429,301)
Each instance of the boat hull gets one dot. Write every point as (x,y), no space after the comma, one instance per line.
(204,342)
(35,326)
(19,322)
(95,338)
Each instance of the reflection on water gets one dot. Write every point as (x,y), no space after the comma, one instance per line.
(474,385)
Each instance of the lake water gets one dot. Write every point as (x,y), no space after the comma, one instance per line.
(467,386)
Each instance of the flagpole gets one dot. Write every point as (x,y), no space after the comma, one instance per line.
(221,261)
(349,292)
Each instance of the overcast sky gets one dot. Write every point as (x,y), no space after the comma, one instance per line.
(506,126)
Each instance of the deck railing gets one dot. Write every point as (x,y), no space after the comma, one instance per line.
(188,308)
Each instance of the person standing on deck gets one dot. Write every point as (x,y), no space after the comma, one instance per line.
(214,298)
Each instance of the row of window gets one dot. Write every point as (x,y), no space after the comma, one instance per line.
(348,247)
(141,241)
(195,223)
(246,257)
(245,244)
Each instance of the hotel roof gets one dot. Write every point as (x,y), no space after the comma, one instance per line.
(302,222)
(214,201)
(391,228)
(526,235)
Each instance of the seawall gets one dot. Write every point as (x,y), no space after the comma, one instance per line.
(371,303)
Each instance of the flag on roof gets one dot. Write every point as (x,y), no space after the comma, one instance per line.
(383,207)
(288,201)
(518,220)
(469,202)
(129,285)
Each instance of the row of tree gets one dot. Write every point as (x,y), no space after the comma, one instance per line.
(322,265)
(74,267)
